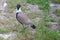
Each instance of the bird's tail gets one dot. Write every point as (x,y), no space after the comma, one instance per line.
(33,26)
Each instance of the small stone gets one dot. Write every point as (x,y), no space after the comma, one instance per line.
(37,19)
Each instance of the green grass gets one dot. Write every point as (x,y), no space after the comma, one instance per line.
(13,3)
(33,15)
(57,12)
(58,20)
(43,33)
(56,1)
(42,27)
(1,38)
(5,30)
(43,4)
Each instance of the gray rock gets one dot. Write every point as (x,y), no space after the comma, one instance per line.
(37,19)
(7,36)
(54,25)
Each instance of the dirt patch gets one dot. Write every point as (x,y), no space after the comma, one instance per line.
(33,7)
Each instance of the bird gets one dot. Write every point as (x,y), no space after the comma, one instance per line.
(23,18)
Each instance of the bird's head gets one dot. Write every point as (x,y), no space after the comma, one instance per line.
(18,6)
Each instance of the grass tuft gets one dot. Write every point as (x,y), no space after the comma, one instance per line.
(43,4)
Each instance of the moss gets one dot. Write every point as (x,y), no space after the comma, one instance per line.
(5,30)
(58,20)
(56,1)
(57,12)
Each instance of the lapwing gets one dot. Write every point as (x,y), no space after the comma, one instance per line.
(23,18)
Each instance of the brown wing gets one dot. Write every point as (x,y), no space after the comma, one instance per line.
(23,18)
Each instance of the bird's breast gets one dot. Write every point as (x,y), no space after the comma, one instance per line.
(23,18)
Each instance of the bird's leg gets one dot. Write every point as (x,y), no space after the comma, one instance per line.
(24,27)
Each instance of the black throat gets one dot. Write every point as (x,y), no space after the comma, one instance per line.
(17,14)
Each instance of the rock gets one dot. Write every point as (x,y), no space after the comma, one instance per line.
(54,25)
(37,19)
(53,7)
(2,4)
(7,36)
(5,4)
(33,7)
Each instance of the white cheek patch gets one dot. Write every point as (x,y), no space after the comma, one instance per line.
(18,10)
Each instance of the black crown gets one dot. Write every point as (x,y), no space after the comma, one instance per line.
(18,6)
